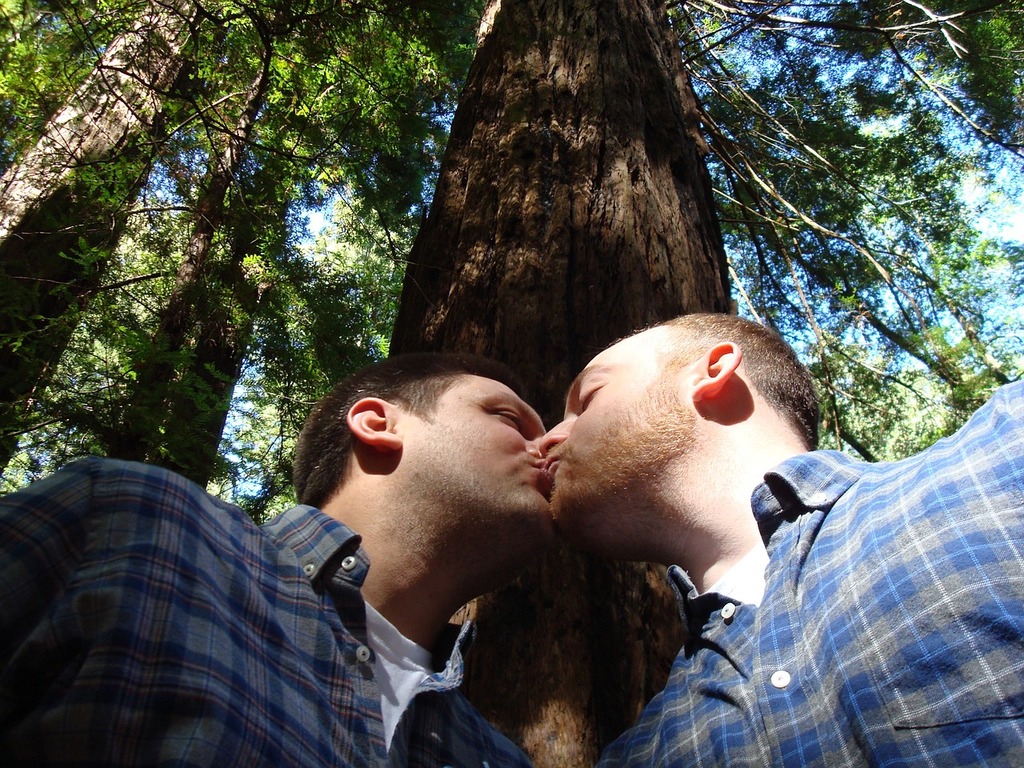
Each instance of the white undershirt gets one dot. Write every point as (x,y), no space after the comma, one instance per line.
(744,582)
(401,665)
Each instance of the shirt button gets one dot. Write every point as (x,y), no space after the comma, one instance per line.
(349,563)
(728,611)
(308,568)
(781,678)
(362,653)
(818,499)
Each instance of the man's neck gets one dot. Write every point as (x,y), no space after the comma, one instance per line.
(416,607)
(715,494)
(406,582)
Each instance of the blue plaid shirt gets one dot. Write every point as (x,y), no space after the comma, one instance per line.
(892,627)
(144,622)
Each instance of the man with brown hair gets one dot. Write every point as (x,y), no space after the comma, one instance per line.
(144,622)
(838,613)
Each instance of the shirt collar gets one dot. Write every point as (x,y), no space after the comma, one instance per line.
(448,656)
(801,484)
(694,607)
(314,537)
(743,583)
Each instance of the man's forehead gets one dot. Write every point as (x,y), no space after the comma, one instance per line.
(634,351)
(481,383)
(591,371)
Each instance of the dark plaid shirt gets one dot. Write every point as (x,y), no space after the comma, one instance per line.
(144,622)
(892,627)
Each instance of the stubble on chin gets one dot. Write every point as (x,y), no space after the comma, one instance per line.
(599,494)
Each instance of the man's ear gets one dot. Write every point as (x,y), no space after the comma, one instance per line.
(715,369)
(372,422)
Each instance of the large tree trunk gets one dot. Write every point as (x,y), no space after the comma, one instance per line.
(62,206)
(573,207)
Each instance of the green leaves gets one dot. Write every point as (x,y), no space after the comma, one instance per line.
(850,144)
(859,151)
(355,111)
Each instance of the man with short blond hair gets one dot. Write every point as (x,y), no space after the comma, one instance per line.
(838,613)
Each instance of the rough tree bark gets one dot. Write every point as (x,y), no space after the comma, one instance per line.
(573,207)
(63,204)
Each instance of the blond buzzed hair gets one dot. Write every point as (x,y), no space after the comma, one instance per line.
(769,364)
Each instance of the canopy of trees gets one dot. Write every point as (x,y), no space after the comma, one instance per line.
(162,299)
(159,162)
(865,154)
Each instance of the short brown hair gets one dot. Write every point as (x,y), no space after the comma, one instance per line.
(770,365)
(414,381)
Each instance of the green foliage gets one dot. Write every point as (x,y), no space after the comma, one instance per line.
(41,61)
(862,154)
(853,146)
(333,309)
(356,110)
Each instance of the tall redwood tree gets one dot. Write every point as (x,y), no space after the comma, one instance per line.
(573,207)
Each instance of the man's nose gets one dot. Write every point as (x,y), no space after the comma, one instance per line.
(554,437)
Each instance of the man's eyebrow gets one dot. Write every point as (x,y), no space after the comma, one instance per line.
(501,399)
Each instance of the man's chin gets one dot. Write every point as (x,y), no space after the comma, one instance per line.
(574,522)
